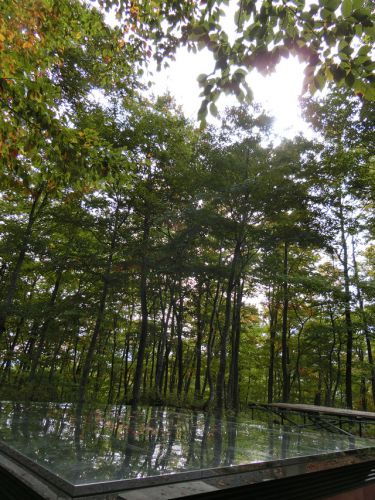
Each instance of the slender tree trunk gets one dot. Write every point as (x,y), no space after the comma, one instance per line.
(198,345)
(172,379)
(220,381)
(113,360)
(12,288)
(7,363)
(53,365)
(161,358)
(91,350)
(329,397)
(124,362)
(284,330)
(362,385)
(144,314)
(124,372)
(365,324)
(166,366)
(273,312)
(43,331)
(210,343)
(179,354)
(189,375)
(233,384)
(348,318)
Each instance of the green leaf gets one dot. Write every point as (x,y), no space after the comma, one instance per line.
(370,30)
(369,93)
(338,73)
(346,8)
(349,79)
(319,81)
(331,4)
(364,50)
(362,14)
(239,74)
(344,28)
(357,4)
(325,13)
(343,44)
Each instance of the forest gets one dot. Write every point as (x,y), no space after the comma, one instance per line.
(148,259)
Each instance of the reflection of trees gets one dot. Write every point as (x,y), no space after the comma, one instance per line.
(192,437)
(161,431)
(271,439)
(285,442)
(15,421)
(125,442)
(77,442)
(152,426)
(232,435)
(172,432)
(204,447)
(125,469)
(218,437)
(25,421)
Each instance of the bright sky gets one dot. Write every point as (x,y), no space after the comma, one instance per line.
(277,93)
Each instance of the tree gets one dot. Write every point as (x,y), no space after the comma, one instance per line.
(345,154)
(53,55)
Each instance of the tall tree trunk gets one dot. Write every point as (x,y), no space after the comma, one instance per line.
(144,314)
(179,353)
(284,330)
(210,344)
(220,381)
(348,318)
(273,313)
(161,359)
(330,396)
(198,344)
(112,377)
(91,350)
(233,385)
(365,324)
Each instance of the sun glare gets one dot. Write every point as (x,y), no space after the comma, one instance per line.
(277,93)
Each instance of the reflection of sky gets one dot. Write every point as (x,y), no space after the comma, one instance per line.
(111,445)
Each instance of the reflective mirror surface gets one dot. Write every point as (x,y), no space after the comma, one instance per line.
(114,443)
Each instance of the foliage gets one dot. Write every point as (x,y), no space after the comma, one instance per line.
(332,37)
(132,245)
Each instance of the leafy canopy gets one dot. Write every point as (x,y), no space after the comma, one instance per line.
(333,38)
